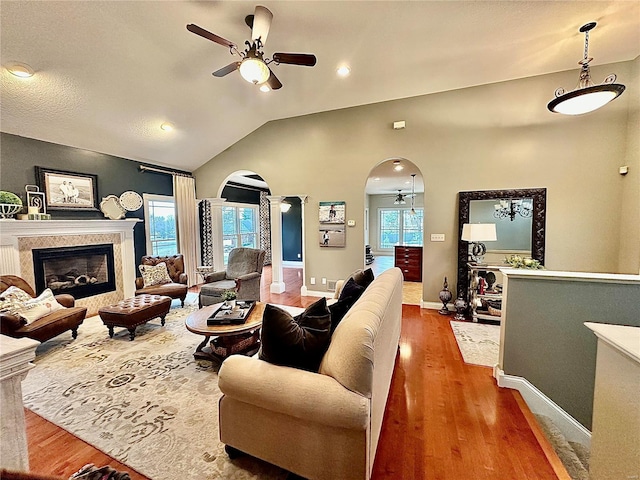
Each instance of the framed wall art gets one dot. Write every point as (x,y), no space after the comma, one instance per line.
(68,190)
(332,236)
(332,212)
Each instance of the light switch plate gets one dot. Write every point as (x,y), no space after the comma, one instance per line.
(437,237)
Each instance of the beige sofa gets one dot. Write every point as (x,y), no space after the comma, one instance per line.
(325,425)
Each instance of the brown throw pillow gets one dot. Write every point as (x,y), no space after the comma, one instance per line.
(298,342)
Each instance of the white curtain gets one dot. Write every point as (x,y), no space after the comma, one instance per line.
(184,191)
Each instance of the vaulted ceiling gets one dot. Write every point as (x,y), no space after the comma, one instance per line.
(108,74)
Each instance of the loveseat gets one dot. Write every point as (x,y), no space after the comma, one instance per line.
(324,425)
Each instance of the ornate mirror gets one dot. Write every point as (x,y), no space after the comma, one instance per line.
(504,203)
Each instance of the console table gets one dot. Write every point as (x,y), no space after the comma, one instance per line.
(474,295)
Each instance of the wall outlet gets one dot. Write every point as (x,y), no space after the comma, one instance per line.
(437,237)
(312,280)
(324,281)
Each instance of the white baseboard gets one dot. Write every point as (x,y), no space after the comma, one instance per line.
(291,264)
(317,293)
(539,403)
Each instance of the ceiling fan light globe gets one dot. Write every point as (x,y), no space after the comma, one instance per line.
(254,70)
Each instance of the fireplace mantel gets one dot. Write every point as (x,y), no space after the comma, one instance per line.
(31,228)
(19,237)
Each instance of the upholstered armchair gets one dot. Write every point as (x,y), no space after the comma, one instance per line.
(46,327)
(176,288)
(243,274)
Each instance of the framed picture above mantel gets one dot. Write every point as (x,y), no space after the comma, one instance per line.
(68,190)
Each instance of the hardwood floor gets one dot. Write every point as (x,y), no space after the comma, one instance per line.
(445,419)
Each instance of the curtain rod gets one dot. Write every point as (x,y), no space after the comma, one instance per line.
(166,172)
(246,187)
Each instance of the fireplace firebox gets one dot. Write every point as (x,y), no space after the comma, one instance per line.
(81,271)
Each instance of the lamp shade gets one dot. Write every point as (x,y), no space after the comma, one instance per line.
(254,70)
(479,232)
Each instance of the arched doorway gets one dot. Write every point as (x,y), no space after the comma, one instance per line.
(394,222)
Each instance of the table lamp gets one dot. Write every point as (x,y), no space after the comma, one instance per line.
(476,233)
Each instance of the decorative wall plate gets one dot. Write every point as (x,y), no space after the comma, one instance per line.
(110,206)
(131,201)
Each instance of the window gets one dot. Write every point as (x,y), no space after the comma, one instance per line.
(239,227)
(160,225)
(400,226)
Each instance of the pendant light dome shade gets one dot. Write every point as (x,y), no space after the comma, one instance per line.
(587,97)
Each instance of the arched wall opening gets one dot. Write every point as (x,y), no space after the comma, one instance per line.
(394,222)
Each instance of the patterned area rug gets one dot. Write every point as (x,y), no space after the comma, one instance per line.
(146,402)
(479,343)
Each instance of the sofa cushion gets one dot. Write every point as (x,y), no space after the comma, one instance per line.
(363,277)
(296,342)
(13,299)
(154,274)
(38,307)
(351,290)
(339,309)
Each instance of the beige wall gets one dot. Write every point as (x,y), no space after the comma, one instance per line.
(629,184)
(495,136)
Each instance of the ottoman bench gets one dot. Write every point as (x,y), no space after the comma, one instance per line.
(131,312)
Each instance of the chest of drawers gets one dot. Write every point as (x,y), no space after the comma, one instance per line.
(409,260)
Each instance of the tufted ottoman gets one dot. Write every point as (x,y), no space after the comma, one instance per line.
(131,312)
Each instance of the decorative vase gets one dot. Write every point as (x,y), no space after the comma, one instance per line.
(230,304)
(445,297)
(461,308)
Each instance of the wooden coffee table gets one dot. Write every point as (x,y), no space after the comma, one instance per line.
(228,339)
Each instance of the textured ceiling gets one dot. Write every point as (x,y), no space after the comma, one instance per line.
(109,73)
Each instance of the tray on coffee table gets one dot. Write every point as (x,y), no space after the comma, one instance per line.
(232,316)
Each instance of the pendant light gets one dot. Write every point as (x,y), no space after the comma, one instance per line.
(587,97)
(413,194)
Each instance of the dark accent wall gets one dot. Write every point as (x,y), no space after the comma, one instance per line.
(291,221)
(20,155)
(292,231)
(241,195)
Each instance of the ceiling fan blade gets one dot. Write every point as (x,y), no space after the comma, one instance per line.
(210,36)
(273,82)
(261,23)
(232,67)
(305,59)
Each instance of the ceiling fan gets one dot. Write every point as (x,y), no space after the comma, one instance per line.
(252,65)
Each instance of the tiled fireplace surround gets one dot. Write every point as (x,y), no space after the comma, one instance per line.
(19,237)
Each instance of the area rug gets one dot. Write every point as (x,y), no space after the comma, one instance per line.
(146,402)
(479,343)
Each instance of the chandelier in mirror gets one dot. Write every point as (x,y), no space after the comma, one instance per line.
(512,207)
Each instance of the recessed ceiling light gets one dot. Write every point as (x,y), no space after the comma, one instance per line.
(265,88)
(343,71)
(407,182)
(376,179)
(166,126)
(397,166)
(21,70)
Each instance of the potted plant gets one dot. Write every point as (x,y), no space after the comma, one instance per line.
(10,204)
(229,297)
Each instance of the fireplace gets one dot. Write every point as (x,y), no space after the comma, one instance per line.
(81,271)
